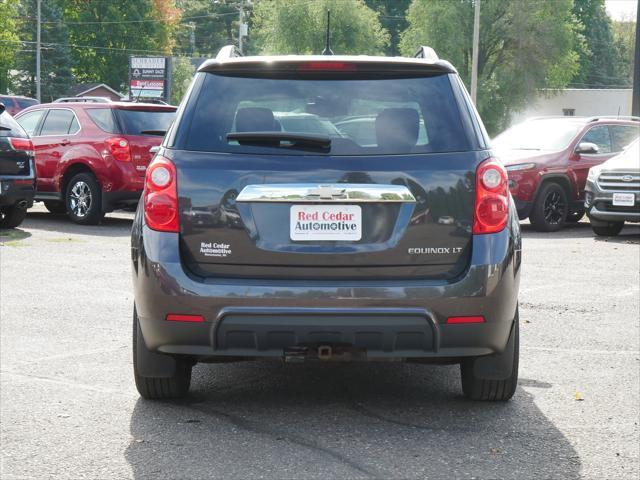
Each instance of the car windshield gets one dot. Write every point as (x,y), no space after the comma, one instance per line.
(547,134)
(359,116)
(136,122)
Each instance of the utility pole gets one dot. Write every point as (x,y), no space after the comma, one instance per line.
(38,49)
(635,96)
(476,44)
(241,26)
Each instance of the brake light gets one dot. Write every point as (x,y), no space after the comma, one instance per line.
(161,196)
(23,144)
(492,198)
(119,148)
(327,66)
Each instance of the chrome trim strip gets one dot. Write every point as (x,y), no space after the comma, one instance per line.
(323,193)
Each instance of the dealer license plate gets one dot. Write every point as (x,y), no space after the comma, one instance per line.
(623,199)
(325,222)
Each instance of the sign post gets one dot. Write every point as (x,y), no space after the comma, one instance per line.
(148,78)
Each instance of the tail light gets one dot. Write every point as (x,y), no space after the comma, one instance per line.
(119,148)
(22,144)
(161,196)
(492,198)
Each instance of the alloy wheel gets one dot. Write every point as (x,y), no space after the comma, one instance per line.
(553,208)
(80,199)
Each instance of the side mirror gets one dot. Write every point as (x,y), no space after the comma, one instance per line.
(587,147)
(2,107)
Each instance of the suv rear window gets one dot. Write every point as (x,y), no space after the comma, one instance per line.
(143,122)
(384,116)
(9,127)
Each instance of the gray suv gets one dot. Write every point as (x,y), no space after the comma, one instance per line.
(612,193)
(256,241)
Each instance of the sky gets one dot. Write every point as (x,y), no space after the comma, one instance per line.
(622,9)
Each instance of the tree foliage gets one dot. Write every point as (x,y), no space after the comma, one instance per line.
(8,40)
(524,46)
(624,37)
(393,19)
(182,73)
(298,27)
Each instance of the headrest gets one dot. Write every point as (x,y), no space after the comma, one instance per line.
(397,129)
(254,119)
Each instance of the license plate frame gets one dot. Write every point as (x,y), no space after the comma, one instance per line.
(324,222)
(623,199)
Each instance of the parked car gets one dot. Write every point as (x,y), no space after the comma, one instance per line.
(17,172)
(613,192)
(548,159)
(317,255)
(91,157)
(14,104)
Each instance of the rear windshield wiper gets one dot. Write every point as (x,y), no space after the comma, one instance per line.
(281,139)
(160,133)
(5,128)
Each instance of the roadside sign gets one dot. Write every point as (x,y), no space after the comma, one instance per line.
(149,78)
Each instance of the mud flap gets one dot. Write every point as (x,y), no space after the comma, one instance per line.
(147,363)
(498,366)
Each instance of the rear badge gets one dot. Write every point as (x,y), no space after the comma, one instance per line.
(434,250)
(325,222)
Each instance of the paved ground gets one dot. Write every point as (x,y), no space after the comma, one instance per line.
(69,408)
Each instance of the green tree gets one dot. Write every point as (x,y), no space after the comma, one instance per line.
(56,57)
(599,65)
(106,33)
(524,46)
(181,75)
(298,27)
(393,18)
(9,40)
(624,36)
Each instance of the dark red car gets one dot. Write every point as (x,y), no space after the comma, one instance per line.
(548,159)
(91,158)
(15,103)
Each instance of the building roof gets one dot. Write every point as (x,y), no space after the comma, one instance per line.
(84,88)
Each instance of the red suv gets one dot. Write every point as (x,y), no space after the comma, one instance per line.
(91,158)
(548,159)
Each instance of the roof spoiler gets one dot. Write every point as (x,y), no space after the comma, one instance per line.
(228,51)
(427,53)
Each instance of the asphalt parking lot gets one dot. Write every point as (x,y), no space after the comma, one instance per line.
(69,408)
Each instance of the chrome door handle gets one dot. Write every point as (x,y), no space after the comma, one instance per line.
(323,193)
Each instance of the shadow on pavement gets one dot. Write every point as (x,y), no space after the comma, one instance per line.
(267,419)
(117,224)
(630,233)
(13,235)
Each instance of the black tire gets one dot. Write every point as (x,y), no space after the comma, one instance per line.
(477,388)
(550,209)
(56,207)
(575,217)
(83,199)
(12,216)
(152,388)
(611,229)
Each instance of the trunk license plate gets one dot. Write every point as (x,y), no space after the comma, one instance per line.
(623,199)
(325,222)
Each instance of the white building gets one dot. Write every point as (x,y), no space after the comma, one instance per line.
(578,102)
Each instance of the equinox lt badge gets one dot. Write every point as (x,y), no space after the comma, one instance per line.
(433,250)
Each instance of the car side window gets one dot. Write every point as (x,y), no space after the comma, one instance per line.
(623,135)
(75,126)
(29,121)
(103,118)
(600,136)
(57,122)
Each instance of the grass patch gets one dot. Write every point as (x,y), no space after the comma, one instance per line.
(14,243)
(64,240)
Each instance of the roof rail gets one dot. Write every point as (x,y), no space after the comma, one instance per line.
(228,51)
(614,117)
(428,53)
(82,100)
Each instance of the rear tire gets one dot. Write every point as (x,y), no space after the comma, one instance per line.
(83,200)
(153,388)
(56,207)
(12,216)
(478,388)
(611,229)
(550,208)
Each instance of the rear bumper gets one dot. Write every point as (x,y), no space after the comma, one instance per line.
(385,319)
(17,191)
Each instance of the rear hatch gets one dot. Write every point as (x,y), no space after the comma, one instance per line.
(15,149)
(258,200)
(144,127)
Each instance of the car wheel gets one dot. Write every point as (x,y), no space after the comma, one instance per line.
(158,388)
(611,229)
(550,209)
(84,200)
(477,387)
(575,217)
(11,217)
(56,207)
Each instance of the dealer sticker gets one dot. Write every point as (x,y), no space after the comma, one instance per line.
(325,222)
(623,199)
